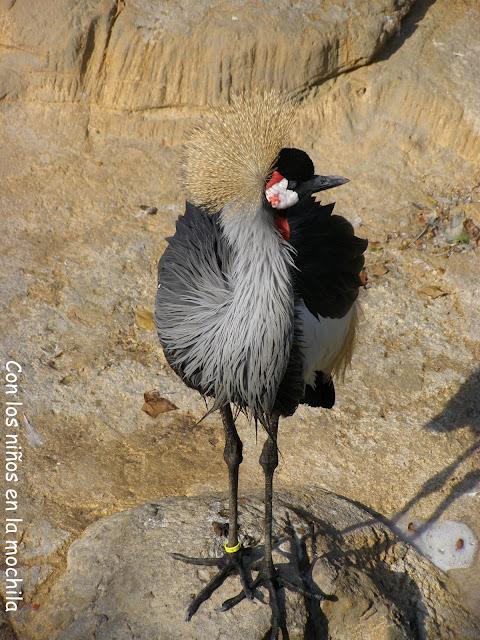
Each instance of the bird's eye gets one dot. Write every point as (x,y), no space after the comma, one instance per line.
(292,185)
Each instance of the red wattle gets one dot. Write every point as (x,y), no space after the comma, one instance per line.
(276,177)
(283,226)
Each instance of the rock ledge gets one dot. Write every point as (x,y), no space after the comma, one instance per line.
(121,582)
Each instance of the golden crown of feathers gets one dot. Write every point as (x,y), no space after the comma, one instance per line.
(231,154)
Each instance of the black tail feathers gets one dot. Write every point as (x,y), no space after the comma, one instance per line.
(323,395)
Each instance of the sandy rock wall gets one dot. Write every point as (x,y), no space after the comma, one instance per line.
(121,63)
(140,54)
(419,100)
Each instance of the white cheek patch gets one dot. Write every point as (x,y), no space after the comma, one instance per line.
(279,196)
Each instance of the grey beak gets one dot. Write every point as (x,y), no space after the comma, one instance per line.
(320,183)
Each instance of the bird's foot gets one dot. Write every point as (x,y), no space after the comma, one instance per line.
(273,580)
(295,576)
(274,583)
(228,564)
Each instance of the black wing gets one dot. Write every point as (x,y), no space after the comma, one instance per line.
(329,258)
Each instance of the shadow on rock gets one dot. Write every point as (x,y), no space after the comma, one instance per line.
(467,483)
(355,565)
(462,410)
(316,625)
(407,28)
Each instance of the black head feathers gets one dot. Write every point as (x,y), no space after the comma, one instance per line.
(295,164)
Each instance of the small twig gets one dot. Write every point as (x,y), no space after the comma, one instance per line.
(422,233)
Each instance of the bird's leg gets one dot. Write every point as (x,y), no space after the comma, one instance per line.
(232,454)
(234,560)
(269,462)
(268,575)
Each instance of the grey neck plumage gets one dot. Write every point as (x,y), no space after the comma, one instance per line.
(257,328)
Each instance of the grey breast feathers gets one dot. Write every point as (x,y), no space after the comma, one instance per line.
(192,291)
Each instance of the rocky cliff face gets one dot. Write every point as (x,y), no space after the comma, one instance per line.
(95,98)
(151,63)
(144,55)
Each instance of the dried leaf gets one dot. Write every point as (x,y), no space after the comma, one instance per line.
(155,404)
(219,528)
(375,245)
(379,269)
(472,229)
(151,211)
(144,318)
(433,292)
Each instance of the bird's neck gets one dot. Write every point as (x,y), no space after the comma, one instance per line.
(261,259)
(262,304)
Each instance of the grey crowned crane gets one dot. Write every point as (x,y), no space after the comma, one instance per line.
(256,301)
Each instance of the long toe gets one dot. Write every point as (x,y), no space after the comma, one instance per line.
(277,620)
(206,562)
(305,590)
(207,591)
(275,609)
(231,602)
(228,564)
(242,574)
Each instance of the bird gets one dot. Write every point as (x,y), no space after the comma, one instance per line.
(256,304)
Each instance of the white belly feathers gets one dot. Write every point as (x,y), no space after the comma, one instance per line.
(325,341)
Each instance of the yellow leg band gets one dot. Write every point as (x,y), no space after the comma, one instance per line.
(232,549)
